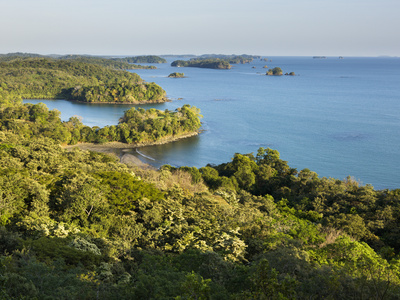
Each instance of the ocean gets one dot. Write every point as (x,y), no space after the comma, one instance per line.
(336,117)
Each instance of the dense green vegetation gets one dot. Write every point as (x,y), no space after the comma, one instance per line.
(80,225)
(176,75)
(74,79)
(149,59)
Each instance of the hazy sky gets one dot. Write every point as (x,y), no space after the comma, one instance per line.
(262,27)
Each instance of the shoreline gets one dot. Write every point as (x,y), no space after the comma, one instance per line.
(121,150)
(164,100)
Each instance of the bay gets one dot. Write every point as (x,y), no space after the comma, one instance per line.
(337,117)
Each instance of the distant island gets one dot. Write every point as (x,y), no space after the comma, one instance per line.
(274,72)
(214,61)
(319,57)
(75,78)
(278,72)
(176,75)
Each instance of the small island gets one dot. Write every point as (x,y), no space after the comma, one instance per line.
(278,72)
(274,72)
(176,75)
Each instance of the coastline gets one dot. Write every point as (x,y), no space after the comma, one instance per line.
(164,100)
(121,150)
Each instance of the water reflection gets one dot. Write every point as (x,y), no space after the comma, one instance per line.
(177,152)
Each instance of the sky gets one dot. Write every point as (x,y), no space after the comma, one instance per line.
(257,27)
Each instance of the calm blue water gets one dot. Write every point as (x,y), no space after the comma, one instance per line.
(337,117)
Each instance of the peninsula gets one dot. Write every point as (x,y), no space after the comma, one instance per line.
(80,79)
(136,127)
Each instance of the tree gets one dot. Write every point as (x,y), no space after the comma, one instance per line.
(79,198)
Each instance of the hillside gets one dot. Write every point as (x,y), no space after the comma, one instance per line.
(81,225)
